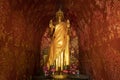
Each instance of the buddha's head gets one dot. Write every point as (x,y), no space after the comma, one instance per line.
(59,15)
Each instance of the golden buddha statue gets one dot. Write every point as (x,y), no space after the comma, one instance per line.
(59,48)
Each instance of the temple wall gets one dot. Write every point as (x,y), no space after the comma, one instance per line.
(99,39)
(19,44)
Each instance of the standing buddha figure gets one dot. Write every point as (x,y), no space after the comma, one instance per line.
(59,47)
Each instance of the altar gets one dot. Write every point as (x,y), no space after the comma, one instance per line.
(70,77)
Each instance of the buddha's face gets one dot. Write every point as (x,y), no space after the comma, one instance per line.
(59,15)
(59,18)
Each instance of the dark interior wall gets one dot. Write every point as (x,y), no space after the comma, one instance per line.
(99,34)
(19,43)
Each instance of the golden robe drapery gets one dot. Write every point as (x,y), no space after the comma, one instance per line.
(59,48)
